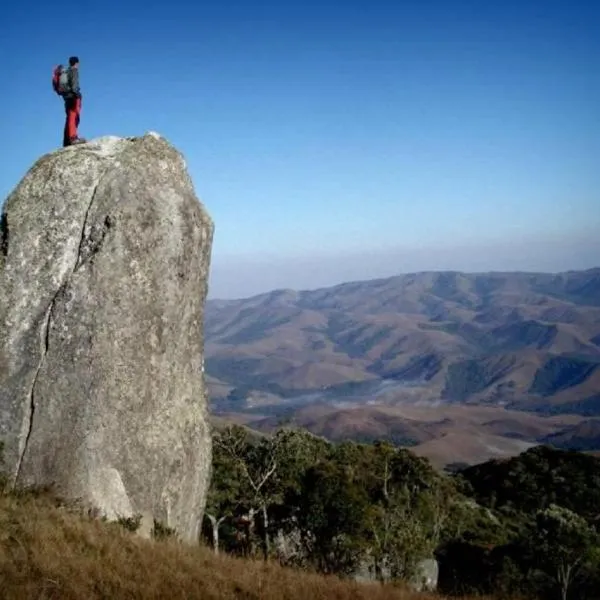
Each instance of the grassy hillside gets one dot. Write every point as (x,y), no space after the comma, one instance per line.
(49,552)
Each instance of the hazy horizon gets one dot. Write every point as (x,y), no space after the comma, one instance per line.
(235,278)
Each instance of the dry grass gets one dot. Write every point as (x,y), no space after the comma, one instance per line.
(49,552)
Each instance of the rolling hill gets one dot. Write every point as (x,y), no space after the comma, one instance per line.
(335,358)
(583,436)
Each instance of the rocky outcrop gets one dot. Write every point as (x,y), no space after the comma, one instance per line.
(104,261)
(424,579)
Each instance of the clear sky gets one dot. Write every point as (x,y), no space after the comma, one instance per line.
(338,140)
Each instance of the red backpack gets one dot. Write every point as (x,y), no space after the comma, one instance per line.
(60,80)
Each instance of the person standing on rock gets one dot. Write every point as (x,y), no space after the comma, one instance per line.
(66,84)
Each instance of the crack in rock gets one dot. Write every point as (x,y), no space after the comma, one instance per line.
(3,238)
(89,250)
(4,234)
(44,339)
(90,245)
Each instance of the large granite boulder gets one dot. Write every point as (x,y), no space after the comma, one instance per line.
(104,261)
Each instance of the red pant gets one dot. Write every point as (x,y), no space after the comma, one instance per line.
(72,110)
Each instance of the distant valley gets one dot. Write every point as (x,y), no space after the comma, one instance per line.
(458,366)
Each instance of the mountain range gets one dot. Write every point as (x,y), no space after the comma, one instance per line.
(431,360)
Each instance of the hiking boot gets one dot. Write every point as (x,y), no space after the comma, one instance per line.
(78,140)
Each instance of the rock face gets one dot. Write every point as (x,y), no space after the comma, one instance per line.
(426,579)
(104,261)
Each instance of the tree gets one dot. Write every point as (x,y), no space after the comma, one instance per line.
(225,493)
(257,463)
(405,520)
(297,450)
(443,510)
(332,518)
(563,543)
(399,538)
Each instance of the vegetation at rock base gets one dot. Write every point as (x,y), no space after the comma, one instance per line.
(525,527)
(49,552)
(520,528)
(51,549)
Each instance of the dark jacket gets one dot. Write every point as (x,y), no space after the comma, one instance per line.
(74,90)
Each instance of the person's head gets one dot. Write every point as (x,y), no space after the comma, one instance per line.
(74,62)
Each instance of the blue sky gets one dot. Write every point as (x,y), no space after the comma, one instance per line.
(335,140)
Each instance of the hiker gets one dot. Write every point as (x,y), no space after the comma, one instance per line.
(66,84)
